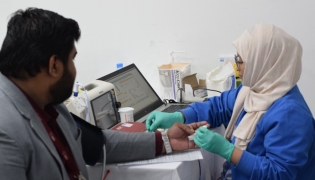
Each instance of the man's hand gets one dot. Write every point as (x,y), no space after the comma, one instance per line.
(178,135)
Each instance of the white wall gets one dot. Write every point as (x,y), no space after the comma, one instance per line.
(144,31)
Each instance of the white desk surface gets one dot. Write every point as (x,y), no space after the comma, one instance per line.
(186,170)
(206,169)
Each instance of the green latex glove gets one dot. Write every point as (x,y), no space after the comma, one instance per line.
(163,120)
(213,142)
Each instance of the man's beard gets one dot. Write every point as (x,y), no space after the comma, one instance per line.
(62,89)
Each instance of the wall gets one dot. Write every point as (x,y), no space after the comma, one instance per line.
(145,31)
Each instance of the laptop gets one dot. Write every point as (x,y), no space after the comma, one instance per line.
(133,90)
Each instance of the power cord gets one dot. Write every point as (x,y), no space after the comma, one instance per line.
(199,163)
(104,163)
(87,118)
(168,101)
(207,90)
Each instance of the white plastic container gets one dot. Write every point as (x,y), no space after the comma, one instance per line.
(221,79)
(126,114)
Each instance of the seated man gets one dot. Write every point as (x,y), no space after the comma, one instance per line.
(38,136)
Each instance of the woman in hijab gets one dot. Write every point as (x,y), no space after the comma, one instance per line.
(271,130)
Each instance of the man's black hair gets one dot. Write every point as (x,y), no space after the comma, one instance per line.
(33,36)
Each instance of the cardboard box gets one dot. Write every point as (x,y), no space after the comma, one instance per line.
(193,88)
(171,76)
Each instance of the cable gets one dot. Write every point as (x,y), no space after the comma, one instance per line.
(181,90)
(104,162)
(199,163)
(207,90)
(106,105)
(214,90)
(87,118)
(107,172)
(165,101)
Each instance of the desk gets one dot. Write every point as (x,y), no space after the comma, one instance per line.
(186,170)
(208,168)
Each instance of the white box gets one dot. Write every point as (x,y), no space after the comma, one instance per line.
(171,76)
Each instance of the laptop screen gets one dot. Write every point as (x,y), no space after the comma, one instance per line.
(133,90)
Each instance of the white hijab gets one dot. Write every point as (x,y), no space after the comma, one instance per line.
(272,68)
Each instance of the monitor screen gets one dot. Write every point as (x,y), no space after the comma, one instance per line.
(104,110)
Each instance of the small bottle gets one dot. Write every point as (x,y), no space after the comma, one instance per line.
(119,65)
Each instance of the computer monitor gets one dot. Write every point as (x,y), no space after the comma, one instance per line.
(100,98)
(104,111)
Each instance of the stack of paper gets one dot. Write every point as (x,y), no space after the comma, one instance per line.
(176,156)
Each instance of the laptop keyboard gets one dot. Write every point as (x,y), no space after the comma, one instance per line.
(174,108)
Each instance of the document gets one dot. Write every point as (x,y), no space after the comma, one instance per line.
(175,156)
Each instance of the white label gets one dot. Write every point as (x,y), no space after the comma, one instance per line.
(79,104)
(126,125)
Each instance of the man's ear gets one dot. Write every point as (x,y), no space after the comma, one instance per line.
(55,66)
